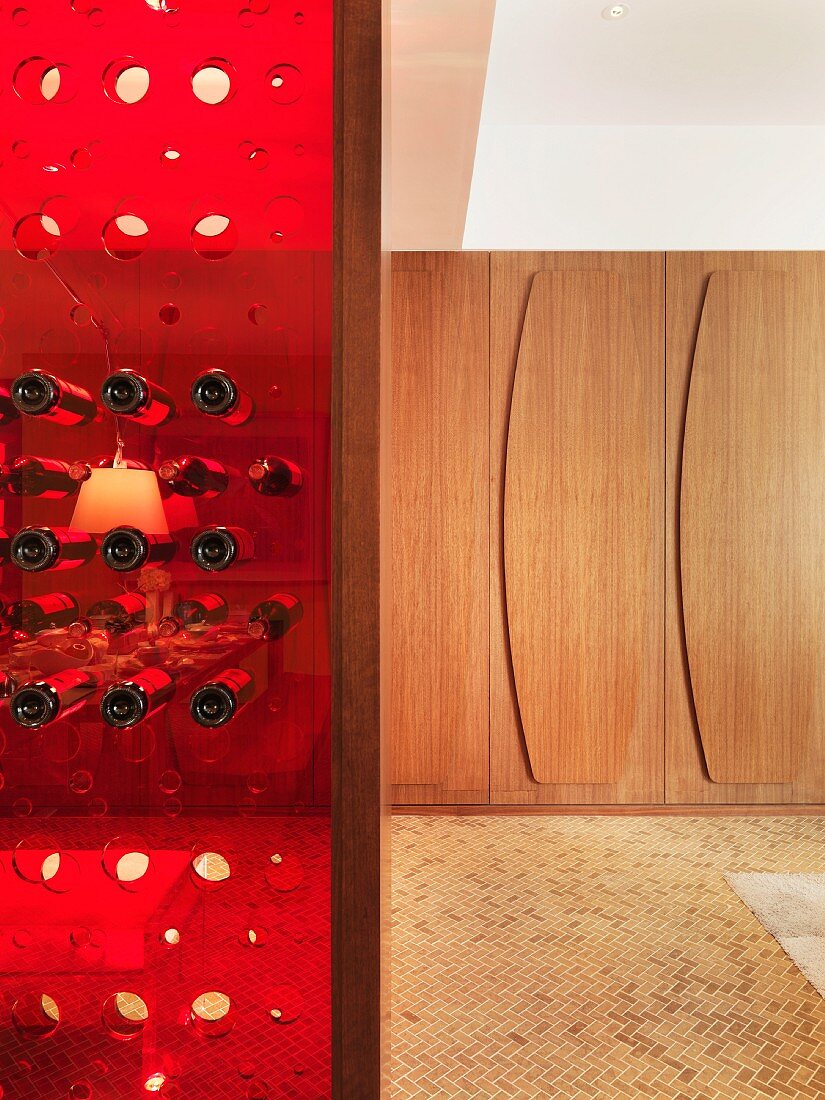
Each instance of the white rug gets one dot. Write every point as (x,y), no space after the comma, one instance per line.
(792,909)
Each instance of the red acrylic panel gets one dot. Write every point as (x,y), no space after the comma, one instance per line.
(166,209)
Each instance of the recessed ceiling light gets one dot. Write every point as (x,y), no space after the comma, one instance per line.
(615,11)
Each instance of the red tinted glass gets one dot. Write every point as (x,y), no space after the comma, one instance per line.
(166,208)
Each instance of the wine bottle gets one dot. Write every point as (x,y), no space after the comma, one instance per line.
(40,702)
(37,393)
(34,549)
(215,393)
(128,702)
(217,702)
(216,548)
(8,410)
(127,548)
(201,612)
(275,616)
(115,616)
(192,476)
(127,393)
(82,471)
(55,609)
(273,476)
(47,478)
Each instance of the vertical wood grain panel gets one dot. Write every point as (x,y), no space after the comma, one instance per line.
(440,513)
(751,523)
(360,556)
(642,276)
(577,527)
(688,780)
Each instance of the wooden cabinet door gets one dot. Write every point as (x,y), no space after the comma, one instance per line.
(440,488)
(576,530)
(745,685)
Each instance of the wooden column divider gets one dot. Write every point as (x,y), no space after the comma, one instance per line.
(360,553)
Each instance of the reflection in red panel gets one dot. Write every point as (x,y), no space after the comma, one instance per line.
(165,228)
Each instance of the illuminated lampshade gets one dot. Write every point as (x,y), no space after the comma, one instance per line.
(120,497)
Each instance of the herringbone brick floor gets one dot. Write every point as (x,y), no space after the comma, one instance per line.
(597,957)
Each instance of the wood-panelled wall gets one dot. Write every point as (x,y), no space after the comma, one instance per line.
(557,536)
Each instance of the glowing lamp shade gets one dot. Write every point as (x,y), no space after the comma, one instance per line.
(120,497)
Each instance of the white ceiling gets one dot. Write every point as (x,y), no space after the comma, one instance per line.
(668,62)
(686,124)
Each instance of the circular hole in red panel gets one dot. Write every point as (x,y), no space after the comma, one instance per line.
(213,81)
(37,858)
(96,17)
(125,1015)
(61,211)
(81,782)
(287,1004)
(169,314)
(20,149)
(257,782)
(170,782)
(256,936)
(22,807)
(21,17)
(284,872)
(298,17)
(284,216)
(210,869)
(36,237)
(125,237)
(126,861)
(81,315)
(62,874)
(98,807)
(214,237)
(259,159)
(35,1016)
(258,314)
(286,84)
(81,158)
(125,81)
(212,1015)
(246,17)
(37,80)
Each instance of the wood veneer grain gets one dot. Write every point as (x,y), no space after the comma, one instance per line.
(688,276)
(440,511)
(752,523)
(642,276)
(577,527)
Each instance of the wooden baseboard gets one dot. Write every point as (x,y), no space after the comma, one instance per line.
(699,810)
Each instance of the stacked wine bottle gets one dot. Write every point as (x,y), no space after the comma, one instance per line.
(214,548)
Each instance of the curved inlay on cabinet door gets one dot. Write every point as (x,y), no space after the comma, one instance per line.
(752,526)
(576,526)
